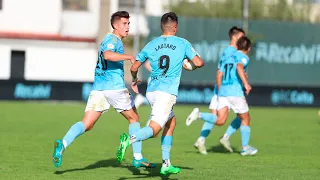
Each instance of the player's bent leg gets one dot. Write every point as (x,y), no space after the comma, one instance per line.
(245,130)
(161,103)
(205,131)
(143,134)
(166,144)
(139,100)
(96,105)
(222,116)
(233,127)
(134,126)
(193,116)
(76,130)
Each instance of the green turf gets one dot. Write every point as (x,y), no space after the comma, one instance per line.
(288,140)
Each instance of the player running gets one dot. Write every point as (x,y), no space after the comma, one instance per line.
(166,55)
(108,89)
(234,34)
(232,81)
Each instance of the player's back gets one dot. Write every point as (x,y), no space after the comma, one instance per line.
(226,53)
(231,82)
(166,55)
(109,75)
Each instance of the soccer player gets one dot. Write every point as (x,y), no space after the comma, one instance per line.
(234,34)
(108,89)
(232,81)
(166,54)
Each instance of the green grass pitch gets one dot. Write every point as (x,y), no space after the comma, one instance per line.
(288,140)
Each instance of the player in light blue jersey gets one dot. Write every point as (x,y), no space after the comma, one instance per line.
(234,34)
(232,87)
(108,90)
(166,55)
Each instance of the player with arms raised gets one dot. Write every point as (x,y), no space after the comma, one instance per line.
(234,34)
(108,89)
(166,55)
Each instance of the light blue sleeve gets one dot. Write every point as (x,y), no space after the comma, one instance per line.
(190,51)
(243,60)
(109,44)
(143,55)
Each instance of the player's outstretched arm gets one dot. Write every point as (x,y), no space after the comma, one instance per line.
(243,77)
(113,56)
(198,62)
(134,71)
(219,78)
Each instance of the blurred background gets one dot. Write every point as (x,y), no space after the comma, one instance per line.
(48,53)
(48,49)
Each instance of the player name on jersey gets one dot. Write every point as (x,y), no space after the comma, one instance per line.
(165,45)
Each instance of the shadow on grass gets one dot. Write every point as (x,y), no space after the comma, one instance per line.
(149,172)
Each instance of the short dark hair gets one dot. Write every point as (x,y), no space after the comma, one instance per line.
(235,30)
(118,15)
(244,43)
(167,18)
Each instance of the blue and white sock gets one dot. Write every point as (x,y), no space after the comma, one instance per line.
(76,130)
(137,146)
(166,143)
(245,135)
(205,131)
(142,134)
(208,117)
(233,127)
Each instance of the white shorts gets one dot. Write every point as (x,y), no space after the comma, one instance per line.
(100,101)
(239,105)
(162,106)
(214,103)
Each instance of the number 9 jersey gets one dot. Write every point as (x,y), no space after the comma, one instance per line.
(166,55)
(231,82)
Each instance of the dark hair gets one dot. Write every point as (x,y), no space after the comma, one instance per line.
(167,18)
(118,15)
(235,30)
(244,43)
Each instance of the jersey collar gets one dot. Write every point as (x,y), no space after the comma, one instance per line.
(115,36)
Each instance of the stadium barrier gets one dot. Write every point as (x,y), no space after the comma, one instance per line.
(188,93)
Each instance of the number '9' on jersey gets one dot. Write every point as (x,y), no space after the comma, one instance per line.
(166,55)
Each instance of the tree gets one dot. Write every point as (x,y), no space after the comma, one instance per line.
(277,10)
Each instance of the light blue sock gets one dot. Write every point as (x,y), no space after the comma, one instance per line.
(233,127)
(209,117)
(133,128)
(143,134)
(245,135)
(166,143)
(76,130)
(206,129)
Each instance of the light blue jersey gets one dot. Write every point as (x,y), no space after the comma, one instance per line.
(109,75)
(166,55)
(231,82)
(226,53)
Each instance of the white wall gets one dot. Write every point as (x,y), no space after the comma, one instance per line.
(36,16)
(60,64)
(47,17)
(5,62)
(82,23)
